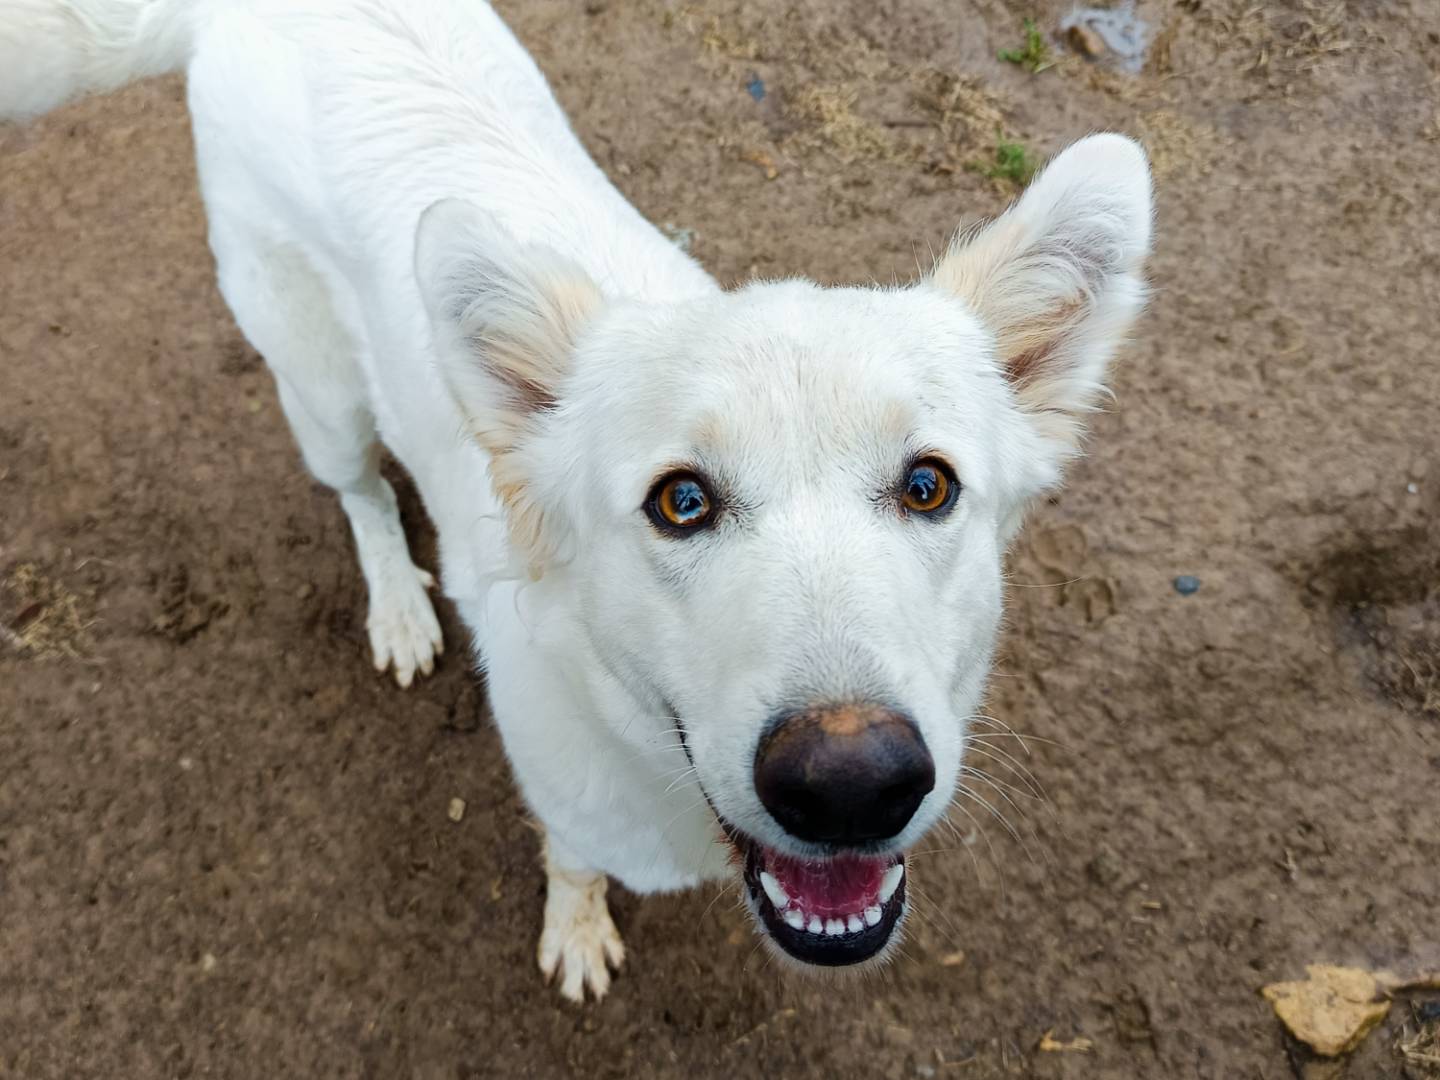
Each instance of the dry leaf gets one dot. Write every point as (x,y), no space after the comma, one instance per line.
(764,160)
(1333,1010)
(1079,1044)
(1414,980)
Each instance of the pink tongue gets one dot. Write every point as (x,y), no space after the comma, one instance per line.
(841,886)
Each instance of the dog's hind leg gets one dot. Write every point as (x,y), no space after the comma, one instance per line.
(285,308)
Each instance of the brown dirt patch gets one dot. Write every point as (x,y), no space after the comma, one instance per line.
(1385,596)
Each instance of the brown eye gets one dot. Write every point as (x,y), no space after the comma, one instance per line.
(680,502)
(930,487)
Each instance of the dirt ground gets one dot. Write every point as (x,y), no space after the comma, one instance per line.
(224,846)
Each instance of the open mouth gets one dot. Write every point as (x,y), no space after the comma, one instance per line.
(829,911)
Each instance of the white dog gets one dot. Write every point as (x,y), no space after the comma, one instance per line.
(732,559)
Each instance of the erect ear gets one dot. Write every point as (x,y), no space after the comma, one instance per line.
(1057,279)
(505,316)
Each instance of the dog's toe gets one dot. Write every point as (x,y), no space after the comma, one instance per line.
(579,942)
(404,632)
(584,960)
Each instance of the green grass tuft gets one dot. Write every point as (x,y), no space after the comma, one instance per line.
(1034,57)
(1012,162)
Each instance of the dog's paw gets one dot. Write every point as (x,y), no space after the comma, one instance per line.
(579,941)
(404,631)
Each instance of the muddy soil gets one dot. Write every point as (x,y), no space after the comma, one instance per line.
(224,843)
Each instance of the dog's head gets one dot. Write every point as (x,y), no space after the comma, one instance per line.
(783,509)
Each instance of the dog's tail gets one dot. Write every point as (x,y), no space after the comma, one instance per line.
(54,50)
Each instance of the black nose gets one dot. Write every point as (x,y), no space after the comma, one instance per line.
(843,774)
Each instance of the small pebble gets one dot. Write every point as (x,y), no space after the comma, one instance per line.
(1084,40)
(756,87)
(1413,489)
(1105,868)
(1120,33)
(1186,585)
(207,962)
(457,809)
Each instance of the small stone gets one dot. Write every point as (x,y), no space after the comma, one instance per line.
(186,764)
(1186,585)
(208,962)
(304,592)
(1104,869)
(755,87)
(457,809)
(1084,41)
(1413,488)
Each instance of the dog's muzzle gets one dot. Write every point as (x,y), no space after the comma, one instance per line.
(846,779)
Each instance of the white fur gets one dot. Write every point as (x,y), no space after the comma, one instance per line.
(536,355)
(51,51)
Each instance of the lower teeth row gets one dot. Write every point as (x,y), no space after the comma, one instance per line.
(832,927)
(851,924)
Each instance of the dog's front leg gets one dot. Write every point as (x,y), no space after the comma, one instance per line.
(579,939)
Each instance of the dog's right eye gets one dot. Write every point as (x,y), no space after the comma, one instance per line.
(680,503)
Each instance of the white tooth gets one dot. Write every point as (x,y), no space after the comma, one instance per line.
(773,890)
(835,927)
(854,925)
(795,919)
(816,926)
(891,881)
(872,916)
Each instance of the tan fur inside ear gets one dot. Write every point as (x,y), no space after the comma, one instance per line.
(987,272)
(1057,306)
(520,346)
(1033,303)
(1056,278)
(507,317)
(526,344)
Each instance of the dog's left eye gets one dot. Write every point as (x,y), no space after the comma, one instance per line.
(930,488)
(680,502)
